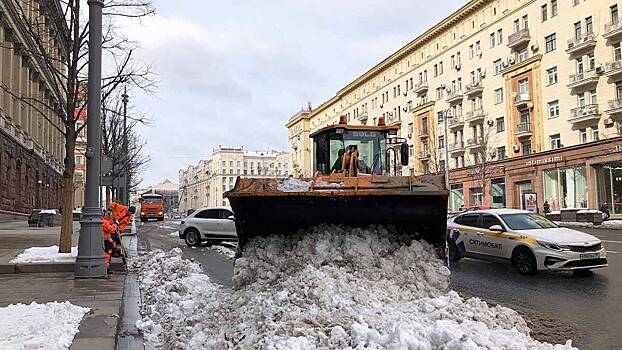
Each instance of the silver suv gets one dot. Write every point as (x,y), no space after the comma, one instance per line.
(212,225)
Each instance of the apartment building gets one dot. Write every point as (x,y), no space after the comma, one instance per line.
(532,89)
(203,185)
(31,143)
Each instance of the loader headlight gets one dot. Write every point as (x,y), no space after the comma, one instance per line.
(142,213)
(553,246)
(159,213)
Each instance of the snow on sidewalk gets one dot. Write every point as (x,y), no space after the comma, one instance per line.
(50,326)
(609,224)
(45,254)
(332,288)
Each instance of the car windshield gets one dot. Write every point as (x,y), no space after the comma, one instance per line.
(525,221)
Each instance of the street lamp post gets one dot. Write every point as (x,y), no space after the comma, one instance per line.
(90,262)
(445,117)
(126,185)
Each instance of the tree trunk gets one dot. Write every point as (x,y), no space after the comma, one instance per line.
(66,230)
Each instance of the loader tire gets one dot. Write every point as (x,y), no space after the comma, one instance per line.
(454,254)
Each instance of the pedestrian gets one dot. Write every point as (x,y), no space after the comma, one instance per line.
(605,209)
(108,229)
(547,207)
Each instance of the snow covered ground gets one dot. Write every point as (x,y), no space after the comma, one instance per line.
(228,252)
(50,326)
(332,288)
(45,254)
(174,233)
(609,224)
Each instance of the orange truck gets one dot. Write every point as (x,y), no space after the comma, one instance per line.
(151,207)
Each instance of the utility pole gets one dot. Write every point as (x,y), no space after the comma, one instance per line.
(126,158)
(90,262)
(445,117)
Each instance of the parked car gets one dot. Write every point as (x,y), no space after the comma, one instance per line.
(212,225)
(527,240)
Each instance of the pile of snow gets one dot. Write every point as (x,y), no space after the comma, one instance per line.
(293,185)
(48,211)
(45,254)
(589,211)
(40,326)
(330,288)
(227,252)
(615,224)
(174,233)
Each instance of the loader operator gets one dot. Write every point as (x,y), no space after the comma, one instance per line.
(343,162)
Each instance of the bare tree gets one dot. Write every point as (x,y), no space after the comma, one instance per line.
(484,153)
(134,161)
(68,68)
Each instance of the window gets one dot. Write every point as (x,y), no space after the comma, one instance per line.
(525,22)
(493,39)
(489,220)
(555,141)
(617,53)
(441,142)
(553,8)
(593,97)
(553,109)
(436,70)
(619,90)
(439,93)
(498,66)
(78,159)
(583,135)
(591,61)
(576,2)
(499,36)
(523,86)
(469,219)
(516,26)
(551,74)
(595,136)
(588,25)
(471,51)
(614,14)
(526,146)
(522,55)
(577,30)
(440,71)
(500,124)
(453,61)
(565,187)
(544,11)
(458,59)
(478,195)
(499,95)
(501,153)
(478,48)
(551,43)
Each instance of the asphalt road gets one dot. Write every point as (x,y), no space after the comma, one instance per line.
(557,306)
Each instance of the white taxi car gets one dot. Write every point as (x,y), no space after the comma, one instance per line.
(528,240)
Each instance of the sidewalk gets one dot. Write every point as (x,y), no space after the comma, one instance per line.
(98,329)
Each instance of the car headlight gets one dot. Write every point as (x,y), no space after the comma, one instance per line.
(159,213)
(553,246)
(142,213)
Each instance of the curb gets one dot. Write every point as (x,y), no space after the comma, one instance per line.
(49,267)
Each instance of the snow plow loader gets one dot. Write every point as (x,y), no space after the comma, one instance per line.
(357,183)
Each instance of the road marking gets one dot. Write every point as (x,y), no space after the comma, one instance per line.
(620,242)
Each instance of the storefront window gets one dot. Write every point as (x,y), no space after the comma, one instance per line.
(524,187)
(565,188)
(456,197)
(497,192)
(477,196)
(609,186)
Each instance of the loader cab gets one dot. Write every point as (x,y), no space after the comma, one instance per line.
(332,142)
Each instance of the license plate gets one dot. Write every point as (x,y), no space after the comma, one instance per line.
(589,255)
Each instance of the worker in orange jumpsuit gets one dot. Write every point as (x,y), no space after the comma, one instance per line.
(108,230)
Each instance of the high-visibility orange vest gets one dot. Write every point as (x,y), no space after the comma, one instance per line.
(108,228)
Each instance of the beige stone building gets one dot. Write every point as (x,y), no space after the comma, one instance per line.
(203,185)
(31,144)
(521,82)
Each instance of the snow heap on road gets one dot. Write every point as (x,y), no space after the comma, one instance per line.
(330,288)
(50,326)
(45,254)
(293,185)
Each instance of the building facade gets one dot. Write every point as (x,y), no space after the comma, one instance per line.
(203,185)
(522,83)
(31,144)
(79,177)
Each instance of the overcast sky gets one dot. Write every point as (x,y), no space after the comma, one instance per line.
(232,72)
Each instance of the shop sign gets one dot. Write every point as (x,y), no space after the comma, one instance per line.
(544,161)
(617,149)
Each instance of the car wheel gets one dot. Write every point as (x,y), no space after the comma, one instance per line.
(525,261)
(193,238)
(454,254)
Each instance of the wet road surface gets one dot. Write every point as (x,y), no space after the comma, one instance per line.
(557,306)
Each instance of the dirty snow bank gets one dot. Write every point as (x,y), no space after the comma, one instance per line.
(333,288)
(229,253)
(39,326)
(293,185)
(44,254)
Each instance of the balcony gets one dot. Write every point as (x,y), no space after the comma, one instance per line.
(421,87)
(519,38)
(614,106)
(584,114)
(522,99)
(456,147)
(523,129)
(475,115)
(582,79)
(423,133)
(424,155)
(476,88)
(474,143)
(586,41)
(455,96)
(363,118)
(456,121)
(613,68)
(394,120)
(612,29)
